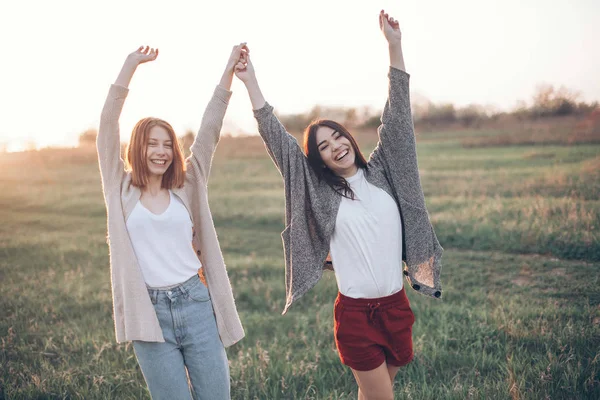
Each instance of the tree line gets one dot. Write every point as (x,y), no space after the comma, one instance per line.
(546,102)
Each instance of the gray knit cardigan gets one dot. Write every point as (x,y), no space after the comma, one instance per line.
(311,205)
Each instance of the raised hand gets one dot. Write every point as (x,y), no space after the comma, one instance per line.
(238,54)
(140,56)
(244,69)
(143,55)
(390,28)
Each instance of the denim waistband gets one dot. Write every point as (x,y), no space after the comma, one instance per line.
(175,290)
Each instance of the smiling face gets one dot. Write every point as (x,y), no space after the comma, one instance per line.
(159,153)
(152,152)
(336,151)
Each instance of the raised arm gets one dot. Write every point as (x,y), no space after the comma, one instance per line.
(391,30)
(244,70)
(209,133)
(396,149)
(140,56)
(282,147)
(108,142)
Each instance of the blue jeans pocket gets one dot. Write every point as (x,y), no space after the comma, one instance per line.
(153,297)
(199,292)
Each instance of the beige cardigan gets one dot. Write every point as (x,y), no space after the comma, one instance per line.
(134,315)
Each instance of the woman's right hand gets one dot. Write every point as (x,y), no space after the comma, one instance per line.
(244,69)
(143,55)
(140,56)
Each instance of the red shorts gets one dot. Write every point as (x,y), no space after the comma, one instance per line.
(371,331)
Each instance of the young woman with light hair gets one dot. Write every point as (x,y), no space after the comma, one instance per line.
(369,215)
(171,293)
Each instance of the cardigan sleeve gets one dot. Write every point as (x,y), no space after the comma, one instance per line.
(282,147)
(309,207)
(208,136)
(396,148)
(108,143)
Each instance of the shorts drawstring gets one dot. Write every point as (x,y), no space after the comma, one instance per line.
(373,307)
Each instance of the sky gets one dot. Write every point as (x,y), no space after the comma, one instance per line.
(58,58)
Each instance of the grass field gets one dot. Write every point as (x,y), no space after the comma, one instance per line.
(520,317)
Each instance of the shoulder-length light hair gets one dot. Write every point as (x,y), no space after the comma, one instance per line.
(137,150)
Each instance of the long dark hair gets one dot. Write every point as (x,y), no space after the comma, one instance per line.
(337,183)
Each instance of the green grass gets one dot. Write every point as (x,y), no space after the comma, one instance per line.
(520,317)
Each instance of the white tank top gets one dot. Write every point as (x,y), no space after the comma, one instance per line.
(163,243)
(366,245)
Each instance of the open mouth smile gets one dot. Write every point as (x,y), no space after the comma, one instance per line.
(341,155)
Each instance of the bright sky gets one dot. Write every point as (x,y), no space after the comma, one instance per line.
(59,57)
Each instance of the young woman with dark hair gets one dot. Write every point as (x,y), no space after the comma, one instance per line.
(171,294)
(370,216)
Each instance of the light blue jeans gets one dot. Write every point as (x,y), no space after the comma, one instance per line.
(192,346)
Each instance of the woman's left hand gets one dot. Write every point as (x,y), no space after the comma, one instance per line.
(238,54)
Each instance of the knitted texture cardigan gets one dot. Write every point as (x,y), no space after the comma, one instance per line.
(133,312)
(311,205)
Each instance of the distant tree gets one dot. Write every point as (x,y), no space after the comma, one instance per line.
(439,114)
(186,141)
(295,122)
(351,118)
(472,115)
(365,113)
(315,112)
(88,138)
(548,101)
(424,111)
(372,122)
(585,108)
(521,111)
(420,106)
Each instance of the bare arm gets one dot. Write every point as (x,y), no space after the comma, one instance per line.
(256,97)
(391,30)
(281,146)
(237,54)
(244,70)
